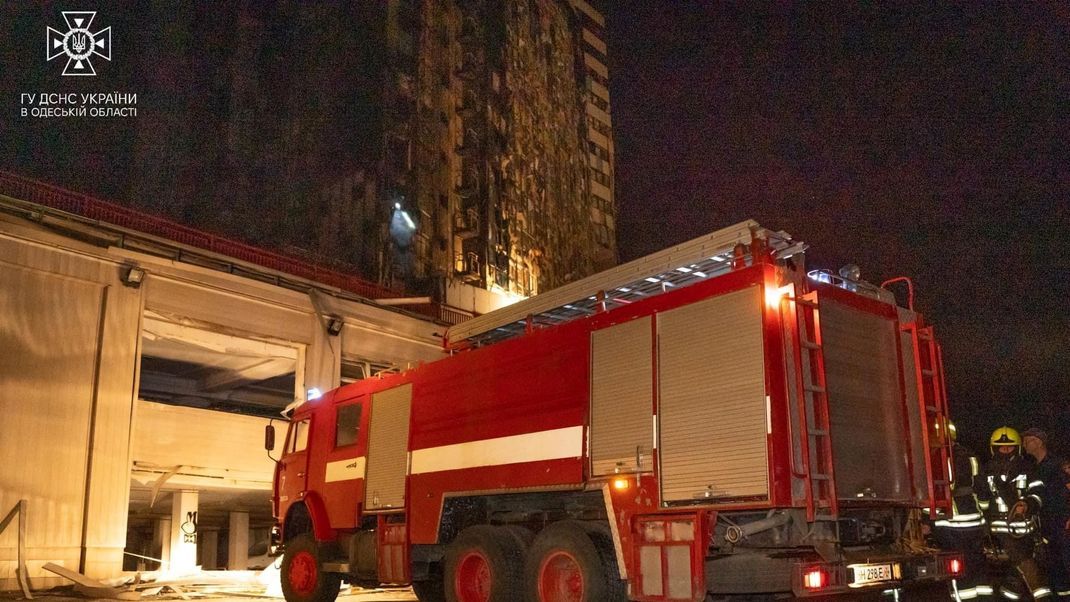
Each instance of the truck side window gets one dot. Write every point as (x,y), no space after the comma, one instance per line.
(299,436)
(347,425)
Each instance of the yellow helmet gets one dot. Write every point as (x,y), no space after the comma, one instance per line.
(1004,436)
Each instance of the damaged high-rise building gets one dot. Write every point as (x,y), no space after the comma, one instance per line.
(497,162)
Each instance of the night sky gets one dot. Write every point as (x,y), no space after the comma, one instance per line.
(912,140)
(923,141)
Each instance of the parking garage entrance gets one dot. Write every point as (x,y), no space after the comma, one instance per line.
(200,481)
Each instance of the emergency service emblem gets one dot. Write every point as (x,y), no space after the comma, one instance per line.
(79,44)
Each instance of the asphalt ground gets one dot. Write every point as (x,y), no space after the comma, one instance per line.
(357,595)
(67,594)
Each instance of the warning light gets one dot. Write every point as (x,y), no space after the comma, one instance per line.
(775,294)
(621,483)
(954,566)
(815,579)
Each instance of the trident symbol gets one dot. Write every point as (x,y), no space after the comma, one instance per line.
(78,42)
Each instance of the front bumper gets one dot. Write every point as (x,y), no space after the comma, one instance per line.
(880,573)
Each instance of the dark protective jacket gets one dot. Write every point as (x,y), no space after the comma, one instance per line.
(1054,510)
(1007,481)
(965,475)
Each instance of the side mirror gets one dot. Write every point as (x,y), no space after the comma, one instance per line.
(269,437)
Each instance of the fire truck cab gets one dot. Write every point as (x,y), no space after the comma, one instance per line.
(710,419)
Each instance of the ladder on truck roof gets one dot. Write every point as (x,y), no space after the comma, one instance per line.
(678,266)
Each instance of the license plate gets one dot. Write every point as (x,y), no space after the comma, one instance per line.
(865,574)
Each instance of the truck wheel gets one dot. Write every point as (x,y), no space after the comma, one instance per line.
(482,564)
(302,574)
(572,562)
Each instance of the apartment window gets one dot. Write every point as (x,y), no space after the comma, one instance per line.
(592,26)
(597,150)
(599,126)
(601,234)
(596,53)
(602,204)
(598,101)
(600,177)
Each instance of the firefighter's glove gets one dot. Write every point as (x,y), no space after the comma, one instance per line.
(1019,510)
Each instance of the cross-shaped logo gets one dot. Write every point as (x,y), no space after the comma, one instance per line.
(79,44)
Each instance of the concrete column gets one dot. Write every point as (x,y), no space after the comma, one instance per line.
(184,531)
(161,542)
(238,542)
(209,546)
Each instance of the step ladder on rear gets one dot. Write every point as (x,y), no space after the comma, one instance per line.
(933,401)
(813,411)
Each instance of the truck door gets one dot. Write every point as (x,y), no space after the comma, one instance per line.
(293,466)
(388,449)
(622,390)
(343,475)
(385,484)
(713,412)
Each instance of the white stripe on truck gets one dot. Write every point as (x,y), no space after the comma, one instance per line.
(345,470)
(530,447)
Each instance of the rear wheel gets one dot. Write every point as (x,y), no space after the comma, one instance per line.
(482,565)
(572,562)
(303,578)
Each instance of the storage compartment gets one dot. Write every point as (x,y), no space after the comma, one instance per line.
(869,432)
(713,415)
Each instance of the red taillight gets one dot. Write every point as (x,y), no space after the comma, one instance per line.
(815,579)
(954,566)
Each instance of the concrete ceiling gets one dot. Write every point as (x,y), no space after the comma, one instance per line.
(201,368)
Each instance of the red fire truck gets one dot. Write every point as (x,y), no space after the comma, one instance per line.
(710,419)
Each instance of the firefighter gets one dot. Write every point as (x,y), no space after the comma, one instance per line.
(963,531)
(1010,499)
(1054,514)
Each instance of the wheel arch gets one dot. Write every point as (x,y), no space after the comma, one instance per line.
(308,515)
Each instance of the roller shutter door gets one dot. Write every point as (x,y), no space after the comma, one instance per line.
(865,403)
(712,408)
(388,442)
(621,391)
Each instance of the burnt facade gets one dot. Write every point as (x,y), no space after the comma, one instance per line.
(496,166)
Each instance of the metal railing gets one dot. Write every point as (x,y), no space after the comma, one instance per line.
(33,191)
(855,286)
(108,213)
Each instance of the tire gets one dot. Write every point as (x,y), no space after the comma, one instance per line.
(302,575)
(481,565)
(571,561)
